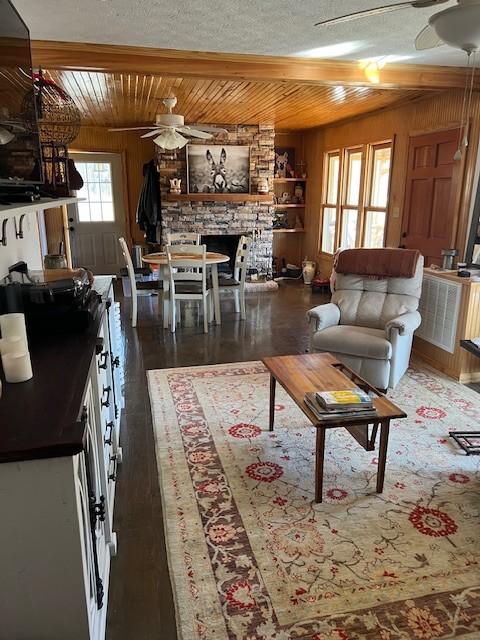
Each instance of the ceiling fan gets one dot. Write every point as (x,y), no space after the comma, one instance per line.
(169,127)
(457,26)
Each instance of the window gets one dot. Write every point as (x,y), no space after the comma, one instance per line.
(355,201)
(97,191)
(351,201)
(332,201)
(378,187)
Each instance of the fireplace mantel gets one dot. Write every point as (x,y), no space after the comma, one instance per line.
(218,197)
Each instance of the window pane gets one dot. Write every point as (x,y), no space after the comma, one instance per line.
(328,229)
(94,191)
(96,211)
(107,212)
(106,191)
(332,179)
(354,176)
(374,229)
(380,177)
(83,211)
(349,229)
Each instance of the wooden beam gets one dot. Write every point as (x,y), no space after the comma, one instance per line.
(228,66)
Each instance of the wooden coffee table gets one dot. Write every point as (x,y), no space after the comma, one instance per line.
(323,372)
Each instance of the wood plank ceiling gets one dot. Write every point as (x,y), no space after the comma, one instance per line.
(133,99)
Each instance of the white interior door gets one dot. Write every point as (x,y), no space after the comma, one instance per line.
(98,222)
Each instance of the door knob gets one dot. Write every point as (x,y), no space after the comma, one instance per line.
(71,220)
(71,228)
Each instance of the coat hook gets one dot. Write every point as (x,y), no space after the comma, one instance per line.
(19,230)
(3,239)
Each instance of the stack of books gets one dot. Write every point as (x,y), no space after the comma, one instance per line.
(345,404)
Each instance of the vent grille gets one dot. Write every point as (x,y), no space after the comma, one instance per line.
(439,307)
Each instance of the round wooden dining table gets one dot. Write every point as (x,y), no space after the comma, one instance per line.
(159,260)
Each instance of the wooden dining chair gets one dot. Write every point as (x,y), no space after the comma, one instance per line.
(183,238)
(135,287)
(188,280)
(237,283)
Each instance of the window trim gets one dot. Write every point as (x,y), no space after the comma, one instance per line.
(331,205)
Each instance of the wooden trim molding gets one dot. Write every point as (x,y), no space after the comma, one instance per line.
(227,66)
(218,197)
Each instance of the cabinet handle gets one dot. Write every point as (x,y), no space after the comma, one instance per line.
(97,510)
(98,346)
(108,426)
(113,476)
(106,402)
(104,357)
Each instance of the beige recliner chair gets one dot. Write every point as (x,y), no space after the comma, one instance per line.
(369,324)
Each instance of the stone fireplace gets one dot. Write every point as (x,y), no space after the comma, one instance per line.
(228,215)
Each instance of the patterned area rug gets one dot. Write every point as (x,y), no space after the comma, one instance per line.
(253,557)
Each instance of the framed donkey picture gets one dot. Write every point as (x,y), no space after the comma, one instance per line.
(218,168)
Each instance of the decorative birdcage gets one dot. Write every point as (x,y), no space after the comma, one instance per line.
(57,115)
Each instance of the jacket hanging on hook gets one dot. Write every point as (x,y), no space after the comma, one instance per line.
(149,208)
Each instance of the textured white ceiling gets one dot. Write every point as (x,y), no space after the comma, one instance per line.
(269,27)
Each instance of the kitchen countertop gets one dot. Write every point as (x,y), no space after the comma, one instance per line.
(40,418)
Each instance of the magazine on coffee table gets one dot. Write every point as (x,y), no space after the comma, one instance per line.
(311,400)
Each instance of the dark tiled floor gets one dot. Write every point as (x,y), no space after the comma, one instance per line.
(140,602)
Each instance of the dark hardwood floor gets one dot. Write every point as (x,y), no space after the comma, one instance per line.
(140,602)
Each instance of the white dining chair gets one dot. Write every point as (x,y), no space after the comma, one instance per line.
(183,238)
(237,283)
(135,287)
(188,280)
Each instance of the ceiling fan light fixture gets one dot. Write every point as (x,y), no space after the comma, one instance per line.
(170,140)
(459,26)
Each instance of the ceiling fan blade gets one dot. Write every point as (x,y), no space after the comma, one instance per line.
(195,133)
(158,129)
(427,39)
(214,130)
(366,13)
(131,128)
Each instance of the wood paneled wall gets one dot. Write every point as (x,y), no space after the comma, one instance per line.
(135,153)
(440,112)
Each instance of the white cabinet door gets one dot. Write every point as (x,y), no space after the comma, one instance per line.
(93,488)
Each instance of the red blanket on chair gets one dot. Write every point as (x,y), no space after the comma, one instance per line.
(379,263)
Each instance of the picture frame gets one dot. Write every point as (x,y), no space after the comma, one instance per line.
(218,168)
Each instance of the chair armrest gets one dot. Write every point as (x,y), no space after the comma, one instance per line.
(404,323)
(323,316)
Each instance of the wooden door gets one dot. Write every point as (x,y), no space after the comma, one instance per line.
(431,197)
(99,220)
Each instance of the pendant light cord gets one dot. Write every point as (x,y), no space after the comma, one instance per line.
(464,104)
(467,114)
